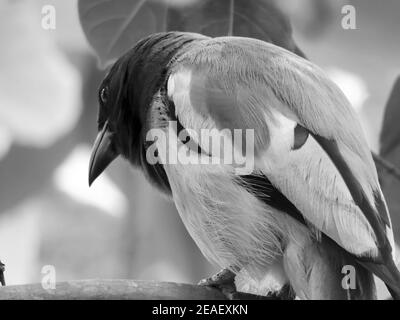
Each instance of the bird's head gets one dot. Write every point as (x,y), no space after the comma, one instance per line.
(125,95)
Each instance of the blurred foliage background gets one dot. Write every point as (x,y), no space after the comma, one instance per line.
(121,227)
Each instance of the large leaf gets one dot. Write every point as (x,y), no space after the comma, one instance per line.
(390,151)
(390,134)
(389,177)
(114,26)
(257,19)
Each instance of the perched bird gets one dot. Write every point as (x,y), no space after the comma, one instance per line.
(310,213)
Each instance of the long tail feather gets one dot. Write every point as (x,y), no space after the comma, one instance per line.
(388,273)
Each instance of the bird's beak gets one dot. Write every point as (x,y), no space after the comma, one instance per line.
(103,153)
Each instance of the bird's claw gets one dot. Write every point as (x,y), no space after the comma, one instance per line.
(222,277)
(224,281)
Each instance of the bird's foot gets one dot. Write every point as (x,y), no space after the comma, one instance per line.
(2,269)
(224,280)
(285,293)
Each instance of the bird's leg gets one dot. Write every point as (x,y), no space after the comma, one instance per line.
(2,269)
(224,280)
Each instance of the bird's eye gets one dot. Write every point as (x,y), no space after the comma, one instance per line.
(104,95)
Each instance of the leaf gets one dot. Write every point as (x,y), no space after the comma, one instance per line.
(389,178)
(112,27)
(390,135)
(259,19)
(390,151)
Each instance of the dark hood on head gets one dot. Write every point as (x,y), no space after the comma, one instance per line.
(146,65)
(126,94)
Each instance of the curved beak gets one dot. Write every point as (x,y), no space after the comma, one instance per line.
(103,153)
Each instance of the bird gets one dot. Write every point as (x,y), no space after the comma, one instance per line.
(306,209)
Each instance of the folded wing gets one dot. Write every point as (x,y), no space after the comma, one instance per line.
(307,139)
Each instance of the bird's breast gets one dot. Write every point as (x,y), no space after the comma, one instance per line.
(230,225)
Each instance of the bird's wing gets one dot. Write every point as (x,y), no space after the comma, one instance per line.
(307,139)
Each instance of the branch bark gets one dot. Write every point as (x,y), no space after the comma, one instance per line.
(116,289)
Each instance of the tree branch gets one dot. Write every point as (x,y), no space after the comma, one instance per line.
(117,289)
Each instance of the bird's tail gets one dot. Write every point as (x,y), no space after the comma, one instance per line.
(388,273)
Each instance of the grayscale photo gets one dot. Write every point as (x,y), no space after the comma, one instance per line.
(201,156)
